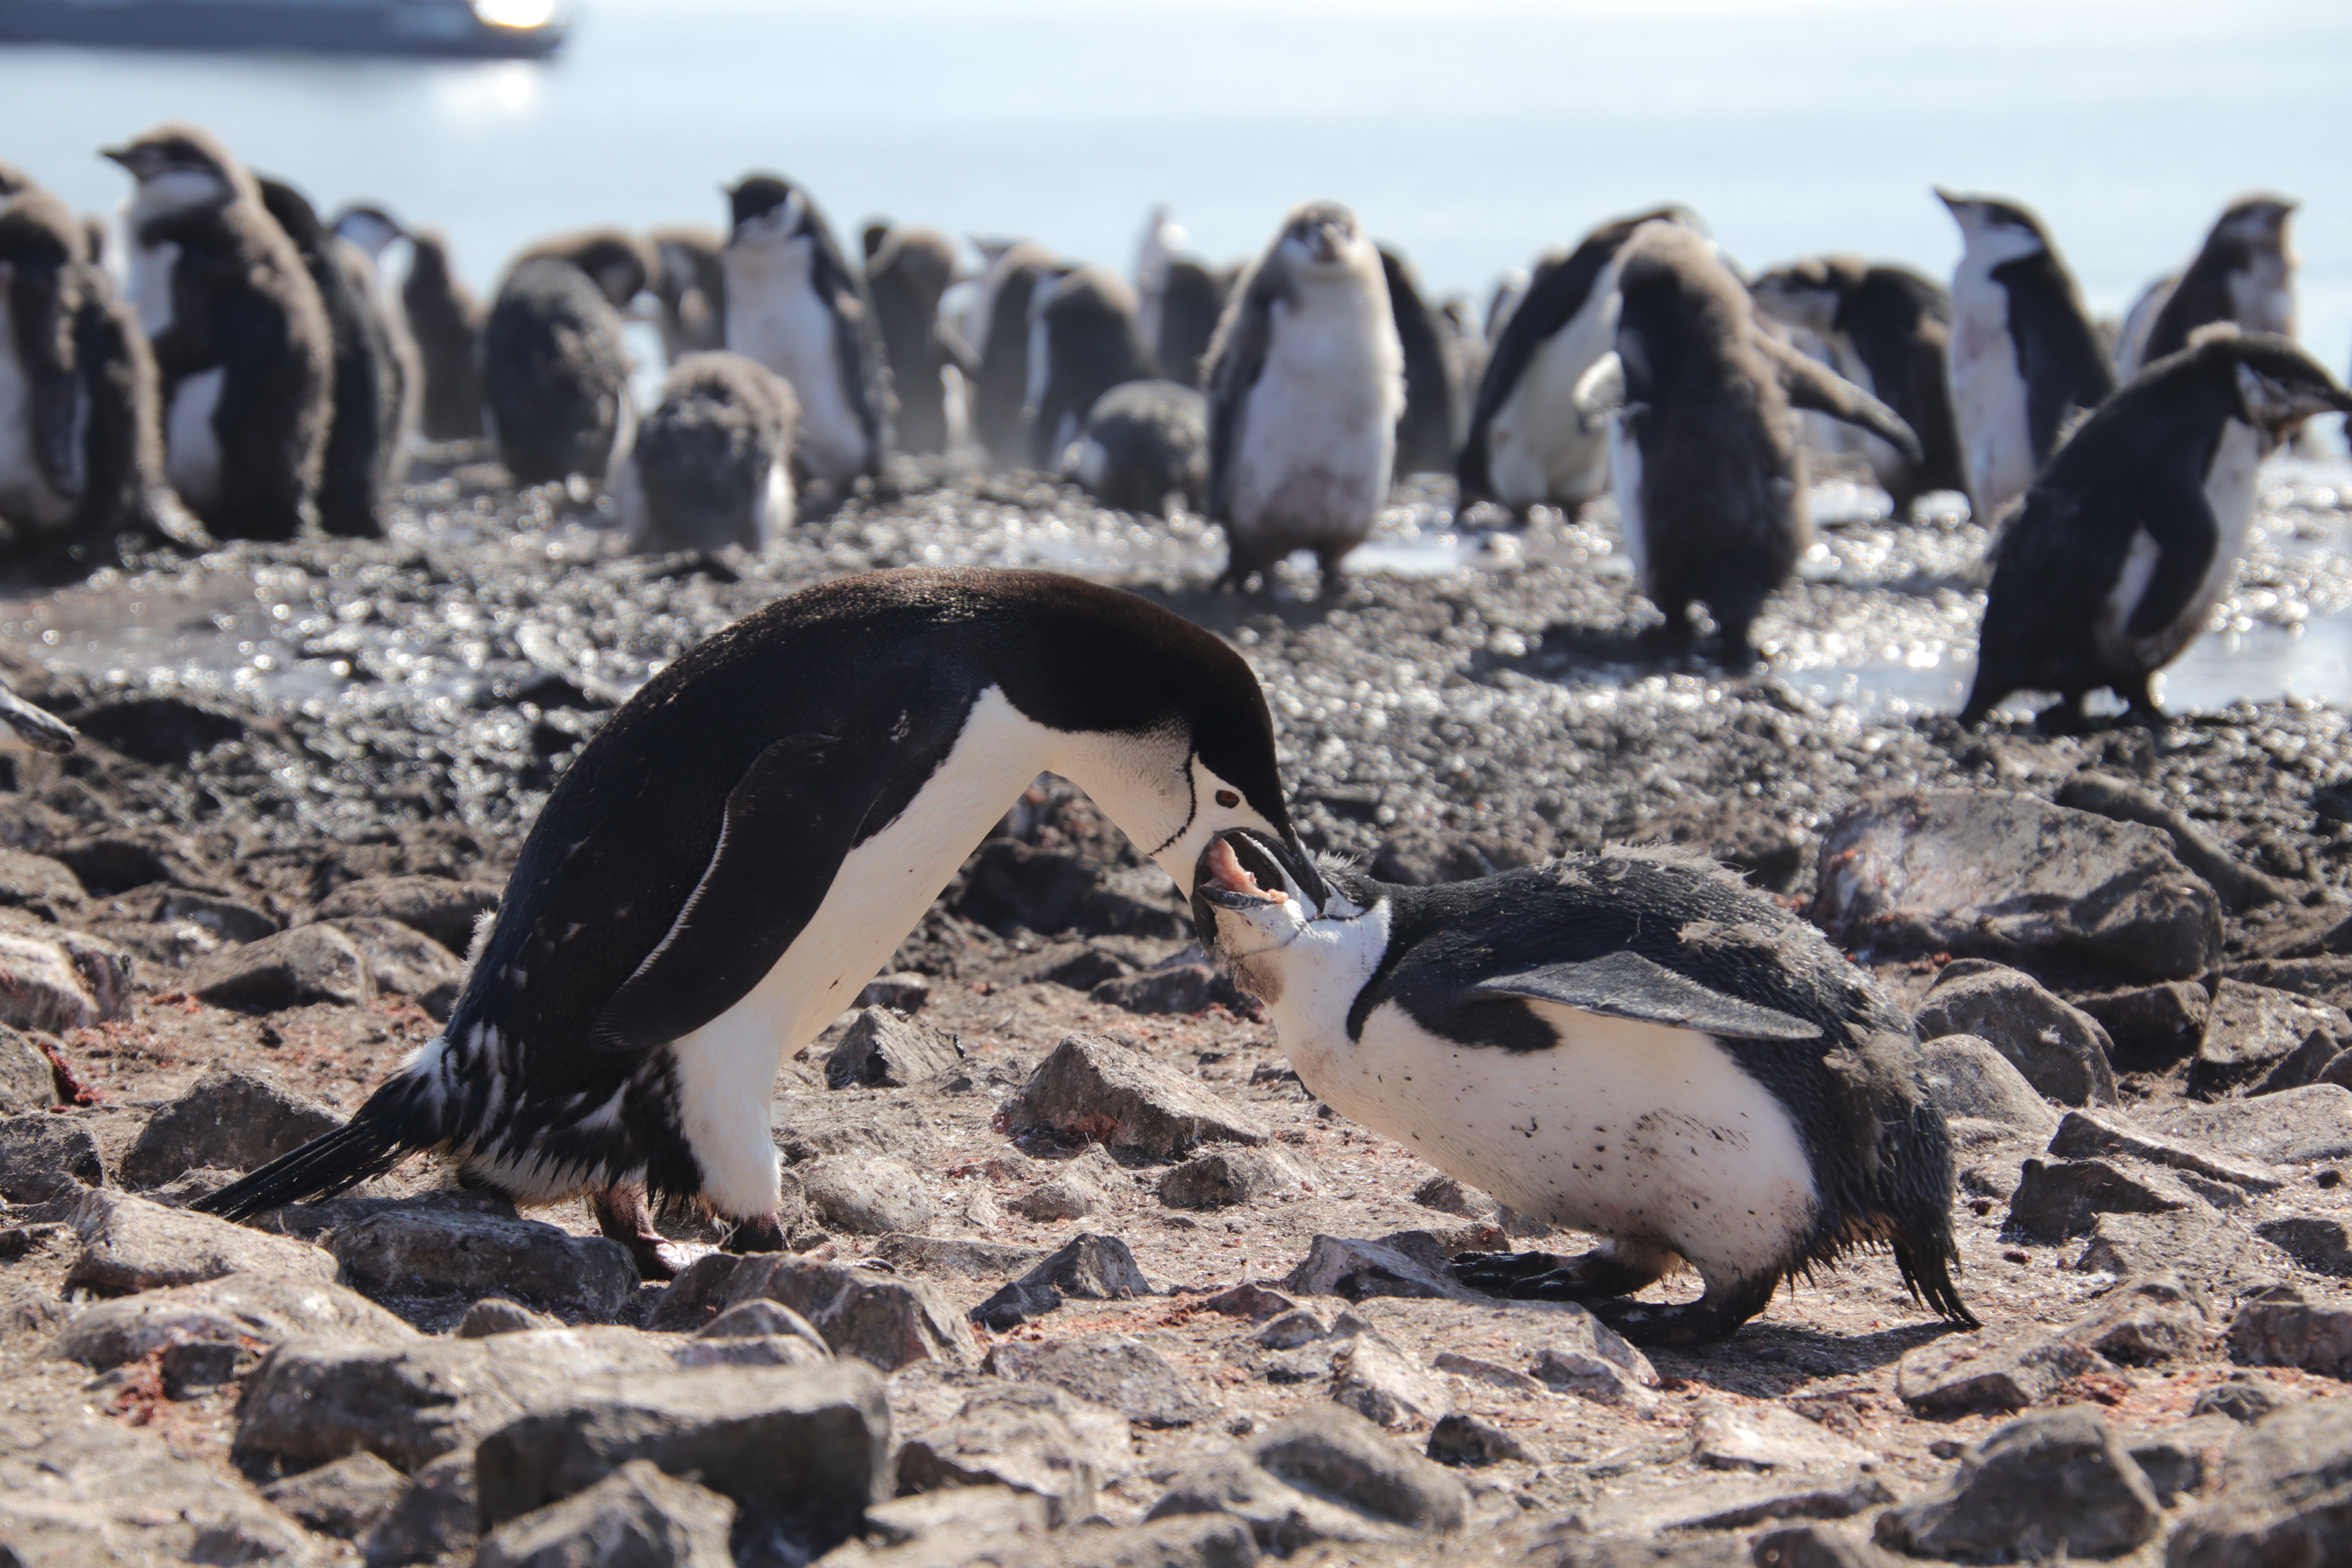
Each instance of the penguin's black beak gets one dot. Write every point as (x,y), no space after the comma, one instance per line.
(1244,870)
(133,159)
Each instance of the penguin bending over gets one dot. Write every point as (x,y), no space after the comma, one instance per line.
(1632,1044)
(555,373)
(1145,442)
(445,323)
(713,464)
(1709,477)
(1083,341)
(908,276)
(241,336)
(689,282)
(1426,431)
(795,306)
(2244,273)
(2130,536)
(1306,382)
(2026,362)
(1891,331)
(999,336)
(750,837)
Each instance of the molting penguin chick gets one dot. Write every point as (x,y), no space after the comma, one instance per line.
(555,374)
(1632,1044)
(620,264)
(2025,361)
(1426,431)
(1709,480)
(999,334)
(908,276)
(240,337)
(733,855)
(1891,331)
(1306,382)
(2128,539)
(367,235)
(2243,274)
(712,465)
(689,283)
(1144,442)
(1192,298)
(795,306)
(445,323)
(1083,341)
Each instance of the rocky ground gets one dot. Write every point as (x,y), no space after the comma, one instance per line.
(1080,1273)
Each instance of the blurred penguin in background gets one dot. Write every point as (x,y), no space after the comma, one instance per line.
(907,274)
(999,337)
(1432,387)
(1191,298)
(1083,341)
(444,321)
(689,285)
(1162,241)
(2244,274)
(711,463)
(1145,447)
(555,374)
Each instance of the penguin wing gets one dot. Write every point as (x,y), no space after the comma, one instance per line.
(2058,353)
(2179,519)
(1236,358)
(1812,384)
(856,342)
(1625,984)
(1554,294)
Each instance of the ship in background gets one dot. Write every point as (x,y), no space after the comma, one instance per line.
(463,29)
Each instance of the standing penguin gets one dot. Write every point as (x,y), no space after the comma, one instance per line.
(2244,274)
(1192,298)
(241,339)
(2026,362)
(1890,331)
(1709,480)
(555,376)
(1527,445)
(730,858)
(1000,390)
(908,276)
(1433,377)
(2129,538)
(712,465)
(1633,1044)
(445,323)
(1305,381)
(1083,341)
(367,235)
(689,282)
(794,305)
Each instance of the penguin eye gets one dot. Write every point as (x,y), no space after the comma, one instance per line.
(1228,799)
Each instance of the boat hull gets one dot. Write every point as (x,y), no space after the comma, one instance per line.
(401,27)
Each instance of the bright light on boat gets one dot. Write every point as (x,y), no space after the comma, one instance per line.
(515,13)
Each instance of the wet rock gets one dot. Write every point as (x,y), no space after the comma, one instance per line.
(2282,1499)
(903,991)
(1116,1369)
(2146,1321)
(1465,1440)
(57,982)
(1089,1266)
(233,1121)
(1222,1178)
(888,1050)
(2085,1134)
(434,1518)
(2276,1328)
(47,887)
(2322,1246)
(342,1500)
(243,1311)
(2240,886)
(403,961)
(44,1157)
(1069,1193)
(637,1515)
(1993,874)
(1383,1383)
(129,1244)
(1583,1356)
(866,1194)
(2294,1128)
(2150,1027)
(496,1315)
(28,1081)
(308,963)
(1323,1475)
(1768,1437)
(1353,1270)
(101,1492)
(441,908)
(1011,1436)
(2241,1399)
(1184,985)
(2251,1028)
(2183,1458)
(2057,1200)
(314,1400)
(2054,1483)
(877,1318)
(1097,1088)
(1967,1077)
(1985,1372)
(422,1252)
(2062,1053)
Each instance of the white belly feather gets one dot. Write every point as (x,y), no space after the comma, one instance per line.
(1989,401)
(774,316)
(1537,451)
(2230,485)
(192,453)
(1625,460)
(1318,433)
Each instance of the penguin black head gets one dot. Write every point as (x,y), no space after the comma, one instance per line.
(1809,293)
(294,214)
(769,207)
(2007,229)
(1321,236)
(179,168)
(370,228)
(2257,220)
(2279,386)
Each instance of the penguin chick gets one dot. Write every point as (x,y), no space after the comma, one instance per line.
(366,235)
(712,465)
(2244,274)
(2026,362)
(620,264)
(2128,539)
(795,306)
(689,283)
(1145,443)
(1083,341)
(555,376)
(1890,331)
(1631,1044)
(1192,298)
(908,276)
(1306,382)
(445,323)
(999,337)
(1709,477)
(750,837)
(241,336)
(1432,378)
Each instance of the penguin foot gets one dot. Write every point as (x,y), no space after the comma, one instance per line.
(621,1214)
(1668,1324)
(1617,1271)
(2065,717)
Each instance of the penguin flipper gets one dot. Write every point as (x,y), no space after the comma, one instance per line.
(1236,358)
(1627,985)
(1812,384)
(2180,520)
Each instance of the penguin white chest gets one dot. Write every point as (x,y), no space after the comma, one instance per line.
(1538,450)
(26,496)
(2229,486)
(191,451)
(1625,460)
(1632,1130)
(1319,433)
(776,316)
(1988,395)
(151,284)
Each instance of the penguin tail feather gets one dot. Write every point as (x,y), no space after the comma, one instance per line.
(1927,1274)
(331,1164)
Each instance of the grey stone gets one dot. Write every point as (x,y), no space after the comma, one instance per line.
(435,1251)
(2286,1497)
(308,963)
(2214,1251)
(2278,1328)
(956,1257)
(57,980)
(1290,1330)
(129,1244)
(950,1529)
(877,1317)
(2239,887)
(341,1500)
(1089,1266)
(44,1157)
(1582,1356)
(1999,875)
(1478,1369)
(2146,1321)
(1768,1437)
(2056,1200)
(2241,1399)
(1383,1383)
(1813,1546)
(2294,1128)
(2150,1027)
(434,1518)
(1098,1089)
(636,1516)
(47,887)
(1194,1542)
(403,961)
(1735,1502)
(1011,1436)
(98,1491)
(2327,979)
(496,1315)
(240,1311)
(2086,1134)
(235,1120)
(442,908)
(1010,884)
(2181,1457)
(1967,1077)
(1069,1193)
(28,1081)
(1253,1301)
(866,1194)
(1465,1440)
(1984,1371)
(903,991)
(2306,1064)
(758,1333)
(1354,1269)
(2058,1482)
(2252,1027)
(1116,1369)
(2060,1051)
(1446,1195)
(229,920)
(1184,985)
(2322,1246)
(886,1050)
(1224,1177)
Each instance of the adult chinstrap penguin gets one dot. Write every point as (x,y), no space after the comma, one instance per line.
(1145,443)
(2244,274)
(2026,362)
(711,463)
(555,373)
(1707,474)
(908,274)
(1632,1044)
(241,339)
(445,323)
(750,837)
(1306,382)
(1083,341)
(2129,538)
(795,306)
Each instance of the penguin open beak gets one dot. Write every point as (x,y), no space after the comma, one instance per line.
(1244,870)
